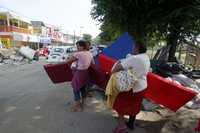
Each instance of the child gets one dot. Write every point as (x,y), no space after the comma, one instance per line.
(82,59)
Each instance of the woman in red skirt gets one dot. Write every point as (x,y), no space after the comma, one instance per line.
(140,62)
(81,62)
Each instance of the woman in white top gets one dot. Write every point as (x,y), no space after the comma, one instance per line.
(140,62)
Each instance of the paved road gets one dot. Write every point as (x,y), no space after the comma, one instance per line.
(30,103)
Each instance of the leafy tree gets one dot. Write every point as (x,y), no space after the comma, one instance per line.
(87,37)
(172,20)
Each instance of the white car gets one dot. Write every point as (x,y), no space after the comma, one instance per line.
(94,50)
(60,54)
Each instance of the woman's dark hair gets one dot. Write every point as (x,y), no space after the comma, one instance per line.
(88,45)
(88,42)
(82,43)
(141,47)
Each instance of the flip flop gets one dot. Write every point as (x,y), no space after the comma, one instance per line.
(76,109)
(120,130)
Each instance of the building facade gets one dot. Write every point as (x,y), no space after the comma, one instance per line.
(16,31)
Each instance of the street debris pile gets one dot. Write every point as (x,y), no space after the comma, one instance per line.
(17,56)
(177,73)
(163,120)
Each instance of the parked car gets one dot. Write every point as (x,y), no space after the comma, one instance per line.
(101,48)
(50,48)
(60,54)
(44,52)
(94,50)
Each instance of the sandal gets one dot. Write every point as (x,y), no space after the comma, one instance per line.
(123,129)
(89,94)
(76,108)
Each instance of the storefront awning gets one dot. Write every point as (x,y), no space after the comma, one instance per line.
(25,38)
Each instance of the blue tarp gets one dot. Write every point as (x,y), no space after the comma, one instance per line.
(120,48)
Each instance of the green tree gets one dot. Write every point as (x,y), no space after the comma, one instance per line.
(172,20)
(100,40)
(87,37)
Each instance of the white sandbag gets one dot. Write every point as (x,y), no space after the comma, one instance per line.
(27,52)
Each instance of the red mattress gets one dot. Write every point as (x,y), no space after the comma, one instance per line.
(167,93)
(106,63)
(98,77)
(159,90)
(59,73)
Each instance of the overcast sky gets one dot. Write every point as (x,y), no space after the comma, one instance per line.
(69,14)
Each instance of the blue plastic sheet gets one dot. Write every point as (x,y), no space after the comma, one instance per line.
(120,48)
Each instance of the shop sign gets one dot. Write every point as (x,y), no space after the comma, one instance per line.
(46,40)
(32,38)
(6,42)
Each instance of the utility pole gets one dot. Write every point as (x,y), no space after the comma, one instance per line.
(38,43)
(81,31)
(74,38)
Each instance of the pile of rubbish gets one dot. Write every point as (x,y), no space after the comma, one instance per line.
(177,73)
(17,56)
